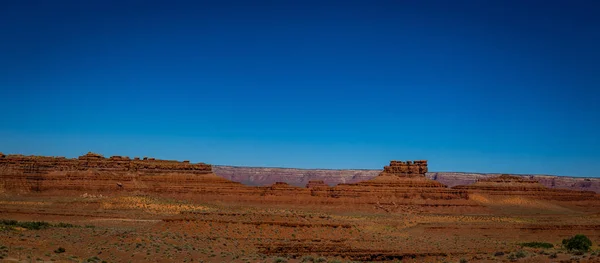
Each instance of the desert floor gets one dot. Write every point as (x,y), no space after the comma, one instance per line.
(138,227)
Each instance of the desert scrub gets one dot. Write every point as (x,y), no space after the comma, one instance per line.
(537,245)
(33,225)
(3,252)
(280,260)
(308,259)
(59,250)
(577,243)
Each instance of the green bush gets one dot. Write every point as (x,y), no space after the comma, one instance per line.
(37,225)
(537,245)
(280,260)
(64,225)
(7,222)
(578,243)
(34,225)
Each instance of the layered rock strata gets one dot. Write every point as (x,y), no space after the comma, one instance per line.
(508,185)
(93,172)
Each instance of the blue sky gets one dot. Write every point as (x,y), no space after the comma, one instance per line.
(478,86)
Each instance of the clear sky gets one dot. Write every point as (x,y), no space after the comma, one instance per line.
(476,86)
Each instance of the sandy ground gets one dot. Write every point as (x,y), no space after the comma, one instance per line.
(137,227)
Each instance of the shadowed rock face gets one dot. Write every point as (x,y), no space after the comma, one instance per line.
(300,177)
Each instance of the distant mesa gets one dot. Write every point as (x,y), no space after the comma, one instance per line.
(508,185)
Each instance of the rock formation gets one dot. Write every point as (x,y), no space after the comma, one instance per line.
(19,164)
(400,180)
(93,172)
(508,185)
(400,186)
(262,176)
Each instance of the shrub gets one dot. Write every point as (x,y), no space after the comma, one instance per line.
(308,259)
(8,222)
(553,255)
(34,225)
(59,250)
(27,225)
(578,243)
(320,260)
(280,260)
(499,254)
(537,245)
(520,254)
(64,225)
(462,260)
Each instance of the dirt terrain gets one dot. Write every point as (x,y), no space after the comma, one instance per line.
(95,209)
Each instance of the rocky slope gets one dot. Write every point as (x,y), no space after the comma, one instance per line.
(300,177)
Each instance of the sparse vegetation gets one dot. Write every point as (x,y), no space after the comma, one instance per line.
(308,259)
(31,225)
(577,243)
(537,245)
(59,250)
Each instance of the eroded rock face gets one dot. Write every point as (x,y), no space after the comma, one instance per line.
(93,172)
(507,185)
